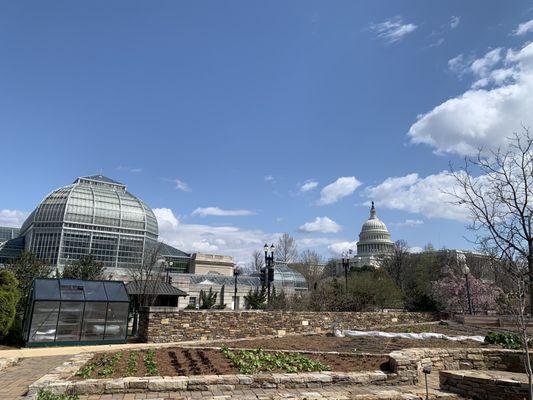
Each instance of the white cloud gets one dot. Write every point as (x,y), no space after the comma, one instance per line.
(427,196)
(457,64)
(524,28)
(338,248)
(454,21)
(313,242)
(230,240)
(181,185)
(393,30)
(12,218)
(321,224)
(335,191)
(165,219)
(498,104)
(308,185)
(129,169)
(437,43)
(270,178)
(415,249)
(408,223)
(219,212)
(482,66)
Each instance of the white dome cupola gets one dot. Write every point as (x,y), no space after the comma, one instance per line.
(374,237)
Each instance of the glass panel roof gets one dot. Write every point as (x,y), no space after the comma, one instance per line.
(74,289)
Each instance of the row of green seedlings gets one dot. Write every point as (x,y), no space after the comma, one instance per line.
(257,360)
(106,364)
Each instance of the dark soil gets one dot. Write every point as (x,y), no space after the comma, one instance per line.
(196,361)
(323,343)
(450,328)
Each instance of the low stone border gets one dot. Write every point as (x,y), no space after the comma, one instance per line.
(8,362)
(496,385)
(58,381)
(408,363)
(406,369)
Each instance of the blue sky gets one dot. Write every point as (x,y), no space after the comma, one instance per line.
(206,108)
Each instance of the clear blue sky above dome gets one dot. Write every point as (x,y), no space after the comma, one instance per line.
(231,118)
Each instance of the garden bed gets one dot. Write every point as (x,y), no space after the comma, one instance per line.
(446,328)
(325,343)
(176,361)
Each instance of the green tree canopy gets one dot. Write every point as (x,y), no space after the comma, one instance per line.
(9,296)
(86,268)
(27,268)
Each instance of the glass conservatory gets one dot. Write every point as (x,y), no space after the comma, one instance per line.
(69,311)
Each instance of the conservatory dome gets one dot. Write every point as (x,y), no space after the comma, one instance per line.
(93,215)
(374,237)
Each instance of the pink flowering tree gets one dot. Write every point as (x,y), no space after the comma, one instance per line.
(450,293)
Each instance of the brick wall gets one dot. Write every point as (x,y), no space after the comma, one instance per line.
(164,324)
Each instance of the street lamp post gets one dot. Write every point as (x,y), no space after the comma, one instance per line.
(346,265)
(269,262)
(168,267)
(466,272)
(236,273)
(461,261)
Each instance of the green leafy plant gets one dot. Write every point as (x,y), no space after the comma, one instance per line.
(257,360)
(208,300)
(150,363)
(131,365)
(256,299)
(506,340)
(108,364)
(47,395)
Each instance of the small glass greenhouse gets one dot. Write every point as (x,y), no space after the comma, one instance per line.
(69,311)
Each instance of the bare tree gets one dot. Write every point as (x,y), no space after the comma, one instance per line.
(500,201)
(286,249)
(311,266)
(396,264)
(147,276)
(258,261)
(500,204)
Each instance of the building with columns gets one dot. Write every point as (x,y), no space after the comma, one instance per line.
(373,246)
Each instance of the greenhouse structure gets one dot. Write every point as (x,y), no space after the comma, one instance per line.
(69,312)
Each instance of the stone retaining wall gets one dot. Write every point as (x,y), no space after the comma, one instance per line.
(485,385)
(408,364)
(168,324)
(59,381)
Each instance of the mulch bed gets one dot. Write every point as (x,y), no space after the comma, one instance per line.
(177,361)
(324,343)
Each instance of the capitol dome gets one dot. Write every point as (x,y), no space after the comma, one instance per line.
(374,238)
(94,215)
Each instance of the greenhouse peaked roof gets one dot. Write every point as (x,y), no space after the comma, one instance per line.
(79,290)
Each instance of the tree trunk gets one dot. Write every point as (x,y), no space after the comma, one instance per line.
(530,277)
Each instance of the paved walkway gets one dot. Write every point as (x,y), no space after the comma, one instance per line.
(356,392)
(14,381)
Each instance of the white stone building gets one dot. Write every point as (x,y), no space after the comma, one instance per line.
(373,246)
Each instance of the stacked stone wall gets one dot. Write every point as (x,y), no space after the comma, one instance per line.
(408,364)
(164,324)
(485,385)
